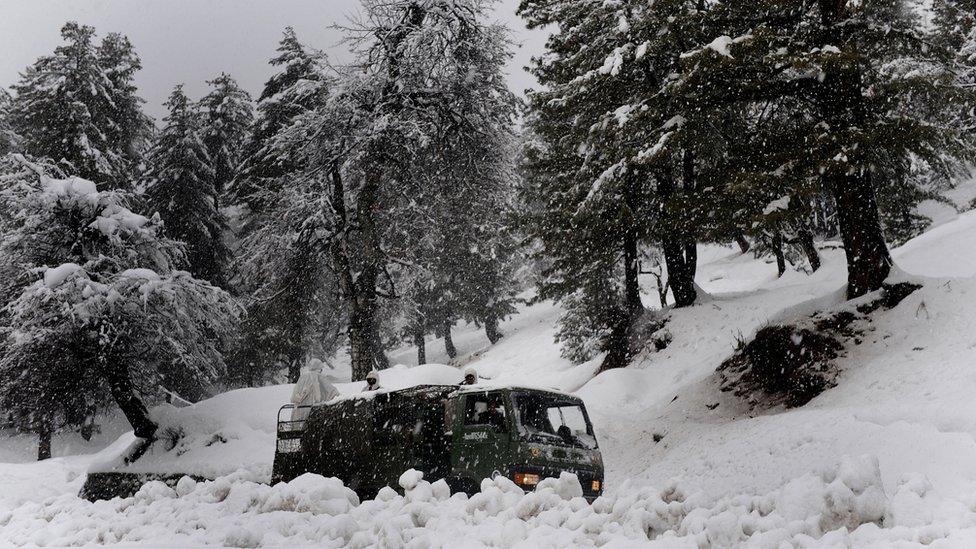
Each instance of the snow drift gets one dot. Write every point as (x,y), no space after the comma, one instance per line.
(841,507)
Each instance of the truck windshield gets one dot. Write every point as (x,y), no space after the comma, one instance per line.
(554,419)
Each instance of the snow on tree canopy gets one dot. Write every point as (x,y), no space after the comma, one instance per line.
(720,45)
(72,188)
(779,204)
(55,276)
(86,274)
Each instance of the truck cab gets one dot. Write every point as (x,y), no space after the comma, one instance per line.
(461,434)
(526,435)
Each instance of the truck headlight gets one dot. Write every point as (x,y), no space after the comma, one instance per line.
(289,445)
(526,479)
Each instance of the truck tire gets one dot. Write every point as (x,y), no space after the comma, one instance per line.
(465,485)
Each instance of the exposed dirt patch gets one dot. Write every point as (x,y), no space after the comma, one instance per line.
(790,364)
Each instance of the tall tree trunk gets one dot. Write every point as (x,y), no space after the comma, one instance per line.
(44,434)
(809,249)
(680,277)
(690,183)
(776,243)
(448,341)
(491,329)
(743,243)
(691,259)
(365,345)
(366,349)
(618,343)
(662,291)
(124,393)
(681,274)
(294,369)
(841,106)
(421,343)
(88,425)
(868,259)
(631,271)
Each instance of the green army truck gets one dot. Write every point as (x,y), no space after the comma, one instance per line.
(460,434)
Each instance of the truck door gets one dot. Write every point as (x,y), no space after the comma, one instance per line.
(432,455)
(483,444)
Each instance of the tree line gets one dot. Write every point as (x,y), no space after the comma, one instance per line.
(359,205)
(367,204)
(773,125)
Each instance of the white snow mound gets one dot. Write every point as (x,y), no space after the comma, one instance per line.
(843,507)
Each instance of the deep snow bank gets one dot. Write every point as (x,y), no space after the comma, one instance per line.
(841,507)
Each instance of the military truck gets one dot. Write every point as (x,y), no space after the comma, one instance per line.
(460,434)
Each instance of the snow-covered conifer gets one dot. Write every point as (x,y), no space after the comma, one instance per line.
(602,180)
(872,103)
(461,246)
(288,93)
(227,116)
(180,188)
(9,140)
(288,288)
(129,130)
(78,106)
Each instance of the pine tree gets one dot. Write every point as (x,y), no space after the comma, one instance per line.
(97,312)
(9,140)
(180,187)
(462,251)
(612,169)
(129,130)
(295,90)
(869,95)
(78,106)
(290,292)
(954,22)
(227,117)
(292,307)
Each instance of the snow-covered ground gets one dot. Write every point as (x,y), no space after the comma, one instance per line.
(887,457)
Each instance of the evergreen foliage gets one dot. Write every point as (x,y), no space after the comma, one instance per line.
(9,140)
(284,278)
(602,190)
(863,92)
(95,311)
(180,188)
(79,107)
(426,74)
(227,117)
(294,90)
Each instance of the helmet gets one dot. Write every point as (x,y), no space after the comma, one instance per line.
(372,377)
(470,375)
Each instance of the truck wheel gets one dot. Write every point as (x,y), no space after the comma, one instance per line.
(465,485)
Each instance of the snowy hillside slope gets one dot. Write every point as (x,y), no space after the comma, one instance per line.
(904,399)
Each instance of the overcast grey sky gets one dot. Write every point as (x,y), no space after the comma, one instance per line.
(191,41)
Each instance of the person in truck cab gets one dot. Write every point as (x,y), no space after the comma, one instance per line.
(372,381)
(493,415)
